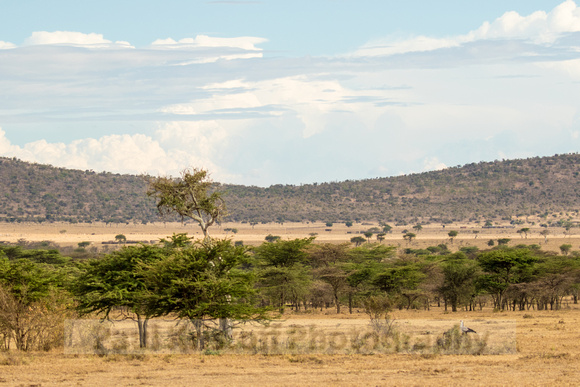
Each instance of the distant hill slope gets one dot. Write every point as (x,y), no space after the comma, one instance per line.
(486,190)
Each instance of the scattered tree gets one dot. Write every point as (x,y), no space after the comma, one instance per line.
(452,234)
(189,197)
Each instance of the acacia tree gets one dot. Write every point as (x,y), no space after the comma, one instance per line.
(189,197)
(118,280)
(458,281)
(203,282)
(452,234)
(503,268)
(409,236)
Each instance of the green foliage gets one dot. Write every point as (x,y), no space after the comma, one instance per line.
(272,238)
(565,248)
(503,241)
(189,197)
(117,280)
(281,253)
(33,305)
(409,236)
(458,284)
(203,281)
(503,268)
(357,240)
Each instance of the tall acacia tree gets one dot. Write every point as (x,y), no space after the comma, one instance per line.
(190,196)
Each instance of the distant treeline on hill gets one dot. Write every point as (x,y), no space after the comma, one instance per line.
(487,190)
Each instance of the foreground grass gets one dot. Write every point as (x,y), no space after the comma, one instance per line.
(547,341)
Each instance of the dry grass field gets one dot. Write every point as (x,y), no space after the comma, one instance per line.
(431,235)
(548,342)
(548,353)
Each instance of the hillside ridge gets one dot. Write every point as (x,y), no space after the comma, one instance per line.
(500,189)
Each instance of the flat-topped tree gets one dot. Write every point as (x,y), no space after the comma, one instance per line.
(189,196)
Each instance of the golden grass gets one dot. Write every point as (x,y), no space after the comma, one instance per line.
(547,343)
(431,235)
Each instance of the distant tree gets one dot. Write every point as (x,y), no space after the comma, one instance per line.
(452,234)
(189,197)
(120,238)
(418,227)
(387,228)
(381,237)
(357,240)
(368,235)
(328,224)
(348,223)
(503,241)
(82,245)
(491,242)
(545,234)
(272,238)
(409,237)
(565,248)
(525,231)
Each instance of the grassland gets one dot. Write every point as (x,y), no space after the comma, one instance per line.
(547,346)
(470,234)
(547,354)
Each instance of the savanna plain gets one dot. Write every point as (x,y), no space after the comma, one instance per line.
(547,342)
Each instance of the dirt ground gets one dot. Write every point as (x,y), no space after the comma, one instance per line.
(431,235)
(548,353)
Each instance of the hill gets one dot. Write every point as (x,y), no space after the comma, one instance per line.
(486,190)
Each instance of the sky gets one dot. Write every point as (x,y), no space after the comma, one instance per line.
(287,92)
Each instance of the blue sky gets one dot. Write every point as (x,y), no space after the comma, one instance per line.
(268,92)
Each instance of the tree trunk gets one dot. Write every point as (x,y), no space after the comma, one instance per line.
(142,324)
(350,302)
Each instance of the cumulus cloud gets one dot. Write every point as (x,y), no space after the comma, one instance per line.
(6,45)
(72,38)
(433,164)
(176,149)
(539,27)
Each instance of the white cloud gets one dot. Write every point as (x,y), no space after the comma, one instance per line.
(433,164)
(6,45)
(244,47)
(72,38)
(243,42)
(539,27)
(312,101)
(177,148)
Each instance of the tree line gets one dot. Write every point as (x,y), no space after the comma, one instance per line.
(212,283)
